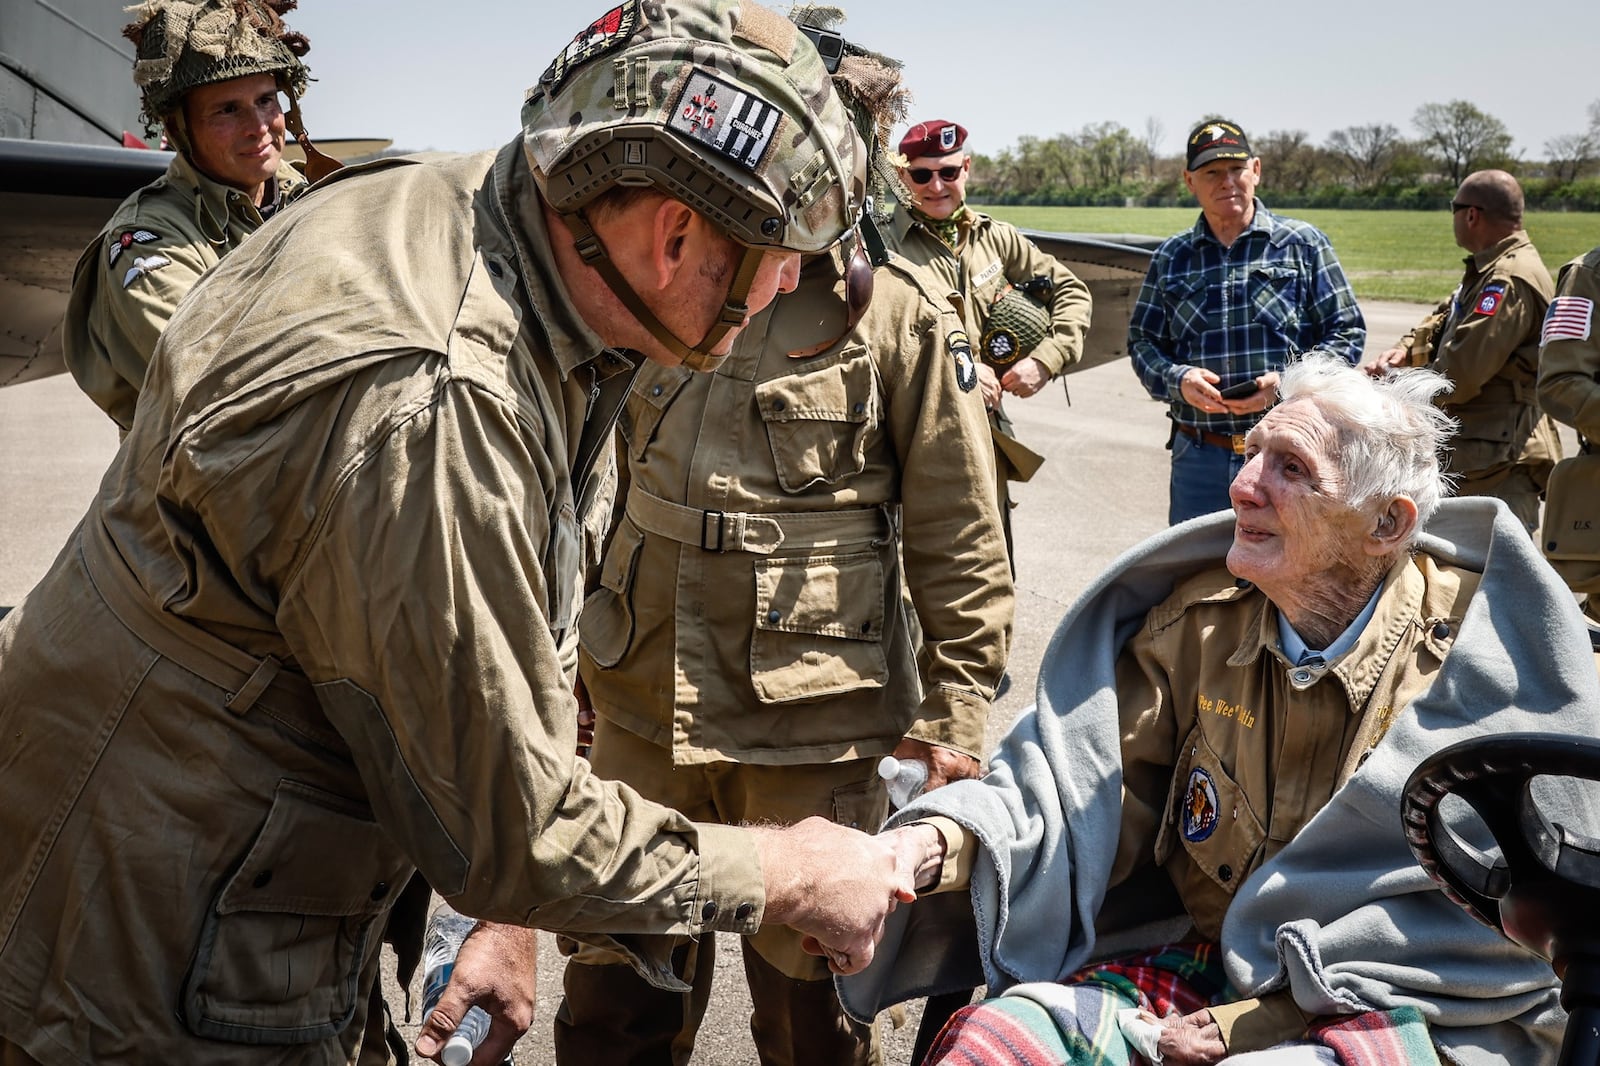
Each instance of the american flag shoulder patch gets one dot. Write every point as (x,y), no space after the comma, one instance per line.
(1570,318)
(737,123)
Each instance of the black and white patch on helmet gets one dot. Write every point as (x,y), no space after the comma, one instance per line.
(735,122)
(966,367)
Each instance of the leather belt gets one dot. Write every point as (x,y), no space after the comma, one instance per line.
(760,534)
(265,685)
(1233,442)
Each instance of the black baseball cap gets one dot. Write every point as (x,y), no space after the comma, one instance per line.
(1216,140)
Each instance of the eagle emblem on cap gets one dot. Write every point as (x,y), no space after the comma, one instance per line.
(1213,132)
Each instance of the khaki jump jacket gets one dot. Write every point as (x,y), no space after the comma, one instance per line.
(1485,339)
(129,280)
(1569,366)
(749,607)
(306,639)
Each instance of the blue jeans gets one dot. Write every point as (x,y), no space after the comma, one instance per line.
(1201,474)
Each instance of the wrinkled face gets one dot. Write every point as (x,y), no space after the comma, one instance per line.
(945,187)
(1225,188)
(1293,532)
(236,130)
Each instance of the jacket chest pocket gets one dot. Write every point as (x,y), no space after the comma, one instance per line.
(1275,297)
(818,627)
(818,421)
(1185,298)
(282,950)
(1208,813)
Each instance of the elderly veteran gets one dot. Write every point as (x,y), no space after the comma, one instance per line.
(1212,776)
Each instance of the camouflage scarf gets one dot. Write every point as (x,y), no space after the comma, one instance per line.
(952,231)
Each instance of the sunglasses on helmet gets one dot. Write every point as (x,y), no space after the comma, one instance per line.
(923,175)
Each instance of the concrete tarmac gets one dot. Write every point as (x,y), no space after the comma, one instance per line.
(1102,489)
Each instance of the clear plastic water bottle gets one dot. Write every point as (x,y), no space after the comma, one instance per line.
(447,931)
(906,778)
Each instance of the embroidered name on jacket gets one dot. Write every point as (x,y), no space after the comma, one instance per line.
(1223,709)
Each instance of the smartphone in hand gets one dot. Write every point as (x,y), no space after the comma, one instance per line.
(1247,387)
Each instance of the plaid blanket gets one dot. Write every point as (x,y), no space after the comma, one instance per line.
(1075,1023)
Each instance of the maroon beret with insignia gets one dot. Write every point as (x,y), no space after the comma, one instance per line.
(938,137)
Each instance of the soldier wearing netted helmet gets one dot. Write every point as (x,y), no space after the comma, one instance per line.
(839,455)
(1029,314)
(318,609)
(212,75)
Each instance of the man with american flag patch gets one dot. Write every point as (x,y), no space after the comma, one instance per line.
(1485,338)
(1569,391)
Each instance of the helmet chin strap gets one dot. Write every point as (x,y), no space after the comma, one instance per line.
(735,306)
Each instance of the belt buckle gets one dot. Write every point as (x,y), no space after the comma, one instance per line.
(1238,443)
(705,519)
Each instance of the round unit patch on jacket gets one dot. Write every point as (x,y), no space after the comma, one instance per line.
(966,368)
(1199,818)
(1489,302)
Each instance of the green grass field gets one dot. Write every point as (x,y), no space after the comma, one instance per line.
(1389,255)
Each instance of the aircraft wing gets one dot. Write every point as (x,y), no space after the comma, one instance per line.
(1113,266)
(53,200)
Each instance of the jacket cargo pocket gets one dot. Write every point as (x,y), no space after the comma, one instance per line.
(818,626)
(653,392)
(1209,814)
(818,421)
(282,950)
(1275,296)
(1490,437)
(1571,527)
(606,629)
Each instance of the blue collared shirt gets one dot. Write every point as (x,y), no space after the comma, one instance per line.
(1296,651)
(1240,311)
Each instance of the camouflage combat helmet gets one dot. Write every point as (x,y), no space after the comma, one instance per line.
(722,104)
(181,44)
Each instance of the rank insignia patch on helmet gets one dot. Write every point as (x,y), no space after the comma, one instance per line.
(737,123)
(609,31)
(126,240)
(961,352)
(1199,815)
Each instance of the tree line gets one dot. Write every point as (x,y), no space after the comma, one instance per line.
(1370,166)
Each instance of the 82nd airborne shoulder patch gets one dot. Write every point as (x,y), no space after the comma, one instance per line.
(1489,302)
(961,352)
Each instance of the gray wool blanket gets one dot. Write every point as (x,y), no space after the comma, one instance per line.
(1342,916)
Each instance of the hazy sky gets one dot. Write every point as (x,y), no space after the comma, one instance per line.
(451,75)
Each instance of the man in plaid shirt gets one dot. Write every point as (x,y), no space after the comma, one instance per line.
(1224,306)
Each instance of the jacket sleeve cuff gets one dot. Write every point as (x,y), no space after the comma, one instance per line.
(952,718)
(960,849)
(1051,356)
(731,894)
(1257,1024)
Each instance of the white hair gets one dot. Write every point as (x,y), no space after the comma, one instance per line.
(1391,436)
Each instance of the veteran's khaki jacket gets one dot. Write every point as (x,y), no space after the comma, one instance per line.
(364,468)
(749,607)
(129,280)
(1569,366)
(1485,339)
